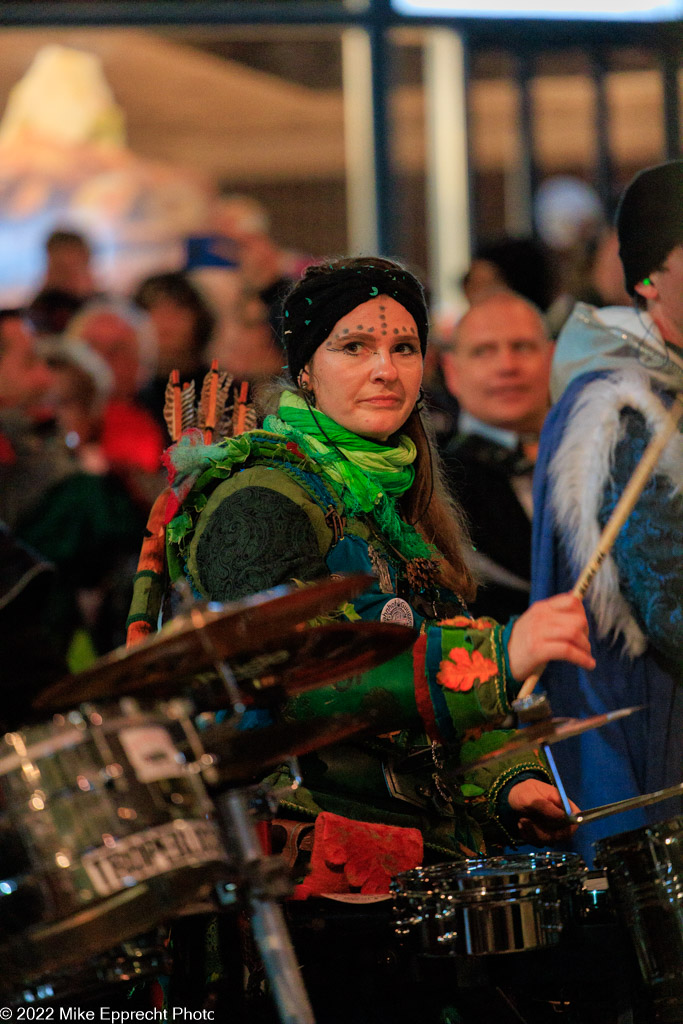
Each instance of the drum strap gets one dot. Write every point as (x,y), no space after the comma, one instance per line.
(292,840)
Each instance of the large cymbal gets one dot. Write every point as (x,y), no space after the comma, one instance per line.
(290,660)
(192,640)
(238,756)
(550,730)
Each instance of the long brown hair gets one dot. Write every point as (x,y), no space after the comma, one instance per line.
(434,512)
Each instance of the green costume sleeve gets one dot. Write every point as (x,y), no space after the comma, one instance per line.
(259,528)
(468,680)
(454,681)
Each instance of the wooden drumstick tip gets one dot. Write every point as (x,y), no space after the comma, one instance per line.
(529,685)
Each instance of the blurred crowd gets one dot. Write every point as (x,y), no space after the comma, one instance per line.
(83,376)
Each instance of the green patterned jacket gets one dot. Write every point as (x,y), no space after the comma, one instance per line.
(257,512)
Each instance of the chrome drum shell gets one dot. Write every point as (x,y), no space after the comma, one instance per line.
(487,906)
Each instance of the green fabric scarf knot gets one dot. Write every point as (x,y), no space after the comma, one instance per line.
(368,475)
(390,465)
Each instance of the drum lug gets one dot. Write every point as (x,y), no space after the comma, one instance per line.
(445,913)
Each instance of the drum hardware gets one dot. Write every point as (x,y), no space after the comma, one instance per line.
(262,882)
(262,879)
(260,649)
(145,956)
(629,804)
(593,900)
(645,871)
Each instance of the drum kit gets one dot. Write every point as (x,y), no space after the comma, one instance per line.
(135,801)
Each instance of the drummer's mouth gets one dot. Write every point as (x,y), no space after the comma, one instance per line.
(383,401)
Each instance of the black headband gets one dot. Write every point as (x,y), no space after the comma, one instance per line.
(325,295)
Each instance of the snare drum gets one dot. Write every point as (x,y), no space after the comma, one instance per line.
(487,906)
(105,830)
(645,868)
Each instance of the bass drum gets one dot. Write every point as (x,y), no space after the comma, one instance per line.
(645,869)
(105,831)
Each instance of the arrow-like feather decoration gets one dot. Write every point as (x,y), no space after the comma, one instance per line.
(179,411)
(215,392)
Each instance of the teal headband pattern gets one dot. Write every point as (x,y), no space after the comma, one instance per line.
(330,291)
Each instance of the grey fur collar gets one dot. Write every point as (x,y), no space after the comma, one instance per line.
(580,470)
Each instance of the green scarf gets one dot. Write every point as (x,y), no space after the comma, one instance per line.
(368,475)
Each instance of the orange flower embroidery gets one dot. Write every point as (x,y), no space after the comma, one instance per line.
(461,669)
(462,622)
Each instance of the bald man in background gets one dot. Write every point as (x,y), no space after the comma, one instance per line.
(498,368)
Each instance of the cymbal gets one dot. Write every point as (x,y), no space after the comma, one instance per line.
(290,661)
(551,730)
(239,756)
(209,631)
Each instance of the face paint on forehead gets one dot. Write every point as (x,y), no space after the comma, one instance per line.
(378,328)
(341,335)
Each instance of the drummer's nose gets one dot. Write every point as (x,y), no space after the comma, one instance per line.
(383,366)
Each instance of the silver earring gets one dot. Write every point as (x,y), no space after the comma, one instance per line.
(309,394)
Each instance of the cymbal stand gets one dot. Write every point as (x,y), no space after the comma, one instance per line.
(264,878)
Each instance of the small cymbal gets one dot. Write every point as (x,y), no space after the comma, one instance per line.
(289,662)
(241,755)
(551,730)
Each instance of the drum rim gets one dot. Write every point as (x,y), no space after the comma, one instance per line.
(489,874)
(621,840)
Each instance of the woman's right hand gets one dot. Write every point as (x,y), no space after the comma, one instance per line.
(555,629)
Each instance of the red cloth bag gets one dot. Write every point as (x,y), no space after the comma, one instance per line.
(358,856)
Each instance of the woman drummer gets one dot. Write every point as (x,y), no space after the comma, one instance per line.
(343,478)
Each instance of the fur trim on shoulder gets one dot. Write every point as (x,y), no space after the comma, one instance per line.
(580,471)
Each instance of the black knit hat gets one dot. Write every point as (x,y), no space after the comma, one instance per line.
(650,220)
(328,291)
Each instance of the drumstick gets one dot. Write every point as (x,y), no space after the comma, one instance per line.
(622,510)
(632,802)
